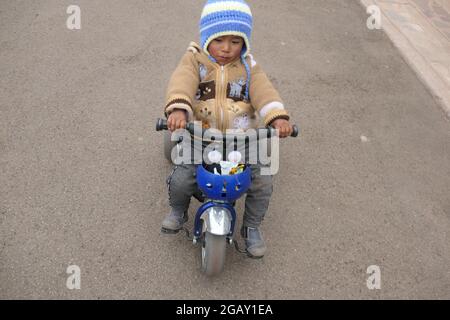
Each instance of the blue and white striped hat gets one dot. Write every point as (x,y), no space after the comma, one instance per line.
(223,18)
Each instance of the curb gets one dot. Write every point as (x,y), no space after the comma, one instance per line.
(424,45)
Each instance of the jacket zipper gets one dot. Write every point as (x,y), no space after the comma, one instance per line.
(221,107)
(223,73)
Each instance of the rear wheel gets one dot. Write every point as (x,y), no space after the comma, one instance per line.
(213,254)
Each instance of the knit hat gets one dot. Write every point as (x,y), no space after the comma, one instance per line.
(224,18)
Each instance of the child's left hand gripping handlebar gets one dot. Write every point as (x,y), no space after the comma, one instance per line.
(161,125)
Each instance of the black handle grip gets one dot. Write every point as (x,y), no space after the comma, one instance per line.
(161,125)
(295,132)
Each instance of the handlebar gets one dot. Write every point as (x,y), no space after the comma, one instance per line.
(161,125)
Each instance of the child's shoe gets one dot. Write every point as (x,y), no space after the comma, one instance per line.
(254,242)
(174,222)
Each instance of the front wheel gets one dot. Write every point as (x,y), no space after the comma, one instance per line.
(213,254)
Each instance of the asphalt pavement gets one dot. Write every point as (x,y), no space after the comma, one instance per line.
(82,173)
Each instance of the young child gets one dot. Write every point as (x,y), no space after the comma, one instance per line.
(220,84)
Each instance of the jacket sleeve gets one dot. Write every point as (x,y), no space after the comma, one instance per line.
(183,86)
(264,97)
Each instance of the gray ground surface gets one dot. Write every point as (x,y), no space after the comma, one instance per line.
(82,172)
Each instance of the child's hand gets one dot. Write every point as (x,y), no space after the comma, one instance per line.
(177,120)
(284,126)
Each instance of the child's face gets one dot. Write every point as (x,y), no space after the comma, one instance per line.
(226,49)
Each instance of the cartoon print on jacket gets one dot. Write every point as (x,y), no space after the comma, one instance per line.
(206,91)
(241,122)
(236,89)
(205,116)
(203,72)
(234,108)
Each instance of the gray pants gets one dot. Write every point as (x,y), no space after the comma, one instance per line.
(183,185)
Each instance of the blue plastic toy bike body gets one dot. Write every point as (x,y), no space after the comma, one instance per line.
(215,220)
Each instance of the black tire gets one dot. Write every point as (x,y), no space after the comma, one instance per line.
(213,254)
(168,145)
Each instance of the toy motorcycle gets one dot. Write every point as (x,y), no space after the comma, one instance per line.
(215,220)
